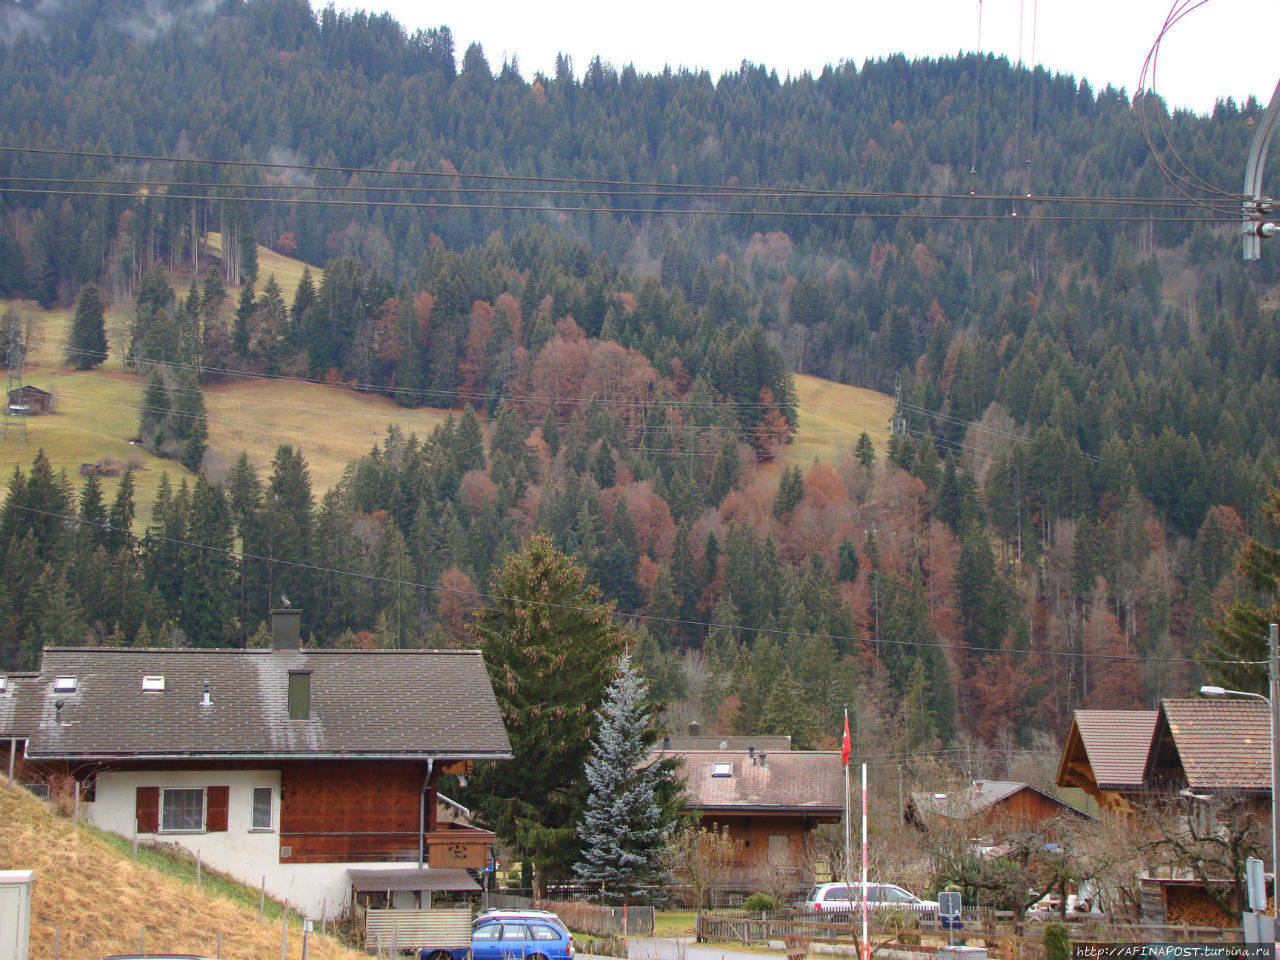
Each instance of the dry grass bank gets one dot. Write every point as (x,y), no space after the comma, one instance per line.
(94,901)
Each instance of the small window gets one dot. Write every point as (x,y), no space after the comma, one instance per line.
(155,684)
(299,694)
(262,808)
(64,684)
(4,684)
(722,769)
(182,811)
(541,931)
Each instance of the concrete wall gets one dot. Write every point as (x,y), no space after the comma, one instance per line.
(248,855)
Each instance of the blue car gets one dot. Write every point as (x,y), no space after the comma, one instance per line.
(517,935)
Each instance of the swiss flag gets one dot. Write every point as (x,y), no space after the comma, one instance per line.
(844,745)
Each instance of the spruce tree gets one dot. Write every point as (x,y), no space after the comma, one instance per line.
(550,645)
(624,827)
(87,344)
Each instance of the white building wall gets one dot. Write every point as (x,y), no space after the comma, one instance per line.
(251,856)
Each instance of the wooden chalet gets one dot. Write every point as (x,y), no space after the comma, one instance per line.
(289,764)
(770,803)
(993,809)
(1106,756)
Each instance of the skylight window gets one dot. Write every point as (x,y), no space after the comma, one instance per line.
(722,769)
(64,685)
(152,684)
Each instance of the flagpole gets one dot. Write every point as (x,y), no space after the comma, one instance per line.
(866,944)
(848,830)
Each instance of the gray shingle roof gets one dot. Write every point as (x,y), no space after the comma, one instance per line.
(17,704)
(409,704)
(978,796)
(791,780)
(1117,742)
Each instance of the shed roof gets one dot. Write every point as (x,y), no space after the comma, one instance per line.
(790,781)
(401,704)
(1219,744)
(412,878)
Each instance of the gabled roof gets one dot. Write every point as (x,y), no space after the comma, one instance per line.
(17,704)
(402,704)
(791,781)
(980,796)
(1214,745)
(684,744)
(1113,743)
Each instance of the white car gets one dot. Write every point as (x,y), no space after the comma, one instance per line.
(846,898)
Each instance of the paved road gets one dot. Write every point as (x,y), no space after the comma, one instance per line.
(645,948)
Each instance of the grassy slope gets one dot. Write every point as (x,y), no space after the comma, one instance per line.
(97,412)
(833,416)
(95,901)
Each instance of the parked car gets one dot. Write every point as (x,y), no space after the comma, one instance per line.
(845,898)
(520,935)
(512,913)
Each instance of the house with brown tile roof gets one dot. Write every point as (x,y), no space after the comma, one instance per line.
(770,802)
(286,764)
(1106,755)
(1210,746)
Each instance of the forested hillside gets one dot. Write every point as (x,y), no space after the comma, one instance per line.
(612,279)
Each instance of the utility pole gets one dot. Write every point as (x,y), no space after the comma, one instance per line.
(1256,206)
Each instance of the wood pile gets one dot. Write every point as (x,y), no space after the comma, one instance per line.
(1194,907)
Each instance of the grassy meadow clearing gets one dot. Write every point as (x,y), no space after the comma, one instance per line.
(96,411)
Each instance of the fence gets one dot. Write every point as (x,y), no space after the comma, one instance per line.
(589,918)
(980,928)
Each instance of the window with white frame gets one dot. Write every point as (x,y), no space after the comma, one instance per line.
(181,810)
(262,797)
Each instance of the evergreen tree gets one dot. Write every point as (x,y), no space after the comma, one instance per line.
(207,606)
(87,343)
(120,517)
(790,492)
(550,645)
(624,826)
(865,451)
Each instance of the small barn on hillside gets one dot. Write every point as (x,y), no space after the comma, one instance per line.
(28,399)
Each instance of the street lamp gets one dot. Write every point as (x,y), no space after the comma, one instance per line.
(1273,704)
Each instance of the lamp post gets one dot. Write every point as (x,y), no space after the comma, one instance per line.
(1273,704)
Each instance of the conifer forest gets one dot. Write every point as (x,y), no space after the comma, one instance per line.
(610,279)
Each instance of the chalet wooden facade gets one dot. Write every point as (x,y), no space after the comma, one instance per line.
(769,802)
(288,764)
(1106,757)
(994,810)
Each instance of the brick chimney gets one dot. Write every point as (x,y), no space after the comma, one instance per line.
(286,628)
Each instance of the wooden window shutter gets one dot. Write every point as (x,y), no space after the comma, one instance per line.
(148,810)
(217,801)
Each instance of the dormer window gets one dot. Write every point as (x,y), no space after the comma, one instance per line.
(64,685)
(299,694)
(152,684)
(722,769)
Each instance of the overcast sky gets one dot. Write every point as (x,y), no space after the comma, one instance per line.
(1210,54)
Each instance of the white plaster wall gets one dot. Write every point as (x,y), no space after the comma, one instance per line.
(248,855)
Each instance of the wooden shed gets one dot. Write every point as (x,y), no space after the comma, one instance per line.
(30,400)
